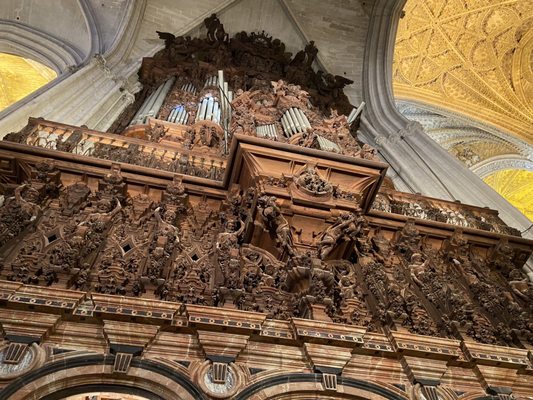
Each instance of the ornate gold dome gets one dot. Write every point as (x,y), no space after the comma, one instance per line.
(19,77)
(474,57)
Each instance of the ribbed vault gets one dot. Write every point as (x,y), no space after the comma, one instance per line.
(470,56)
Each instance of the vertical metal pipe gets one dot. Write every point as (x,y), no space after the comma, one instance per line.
(273,130)
(201,112)
(351,114)
(209,109)
(292,124)
(216,113)
(298,115)
(184,116)
(179,114)
(285,126)
(359,110)
(141,110)
(226,93)
(306,121)
(171,115)
(161,96)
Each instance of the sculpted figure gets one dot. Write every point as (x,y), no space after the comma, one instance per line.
(418,267)
(104,211)
(275,221)
(310,52)
(28,198)
(229,239)
(165,228)
(18,212)
(457,247)
(520,285)
(310,180)
(74,198)
(347,227)
(408,237)
(503,256)
(215,30)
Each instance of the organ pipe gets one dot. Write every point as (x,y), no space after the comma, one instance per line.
(294,121)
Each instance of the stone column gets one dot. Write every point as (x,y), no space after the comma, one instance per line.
(418,163)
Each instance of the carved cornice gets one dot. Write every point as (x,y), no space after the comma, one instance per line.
(423,357)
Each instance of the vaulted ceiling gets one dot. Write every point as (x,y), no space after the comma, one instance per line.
(83,26)
(464,70)
(474,57)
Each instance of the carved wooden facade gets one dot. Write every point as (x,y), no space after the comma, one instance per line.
(246,249)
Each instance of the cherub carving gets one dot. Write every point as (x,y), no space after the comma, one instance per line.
(275,222)
(347,227)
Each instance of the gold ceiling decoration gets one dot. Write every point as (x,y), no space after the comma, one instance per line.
(19,77)
(516,186)
(474,57)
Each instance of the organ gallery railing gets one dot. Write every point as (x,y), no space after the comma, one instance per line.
(452,213)
(118,148)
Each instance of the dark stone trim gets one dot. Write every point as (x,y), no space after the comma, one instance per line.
(99,359)
(428,382)
(124,348)
(314,378)
(370,387)
(25,379)
(495,390)
(23,339)
(277,380)
(328,370)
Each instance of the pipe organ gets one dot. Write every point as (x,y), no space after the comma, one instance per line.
(189,87)
(284,266)
(152,105)
(294,121)
(267,131)
(211,81)
(179,115)
(208,109)
(327,145)
(355,113)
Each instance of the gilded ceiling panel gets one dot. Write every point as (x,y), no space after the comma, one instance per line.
(470,56)
(516,186)
(19,77)
(474,152)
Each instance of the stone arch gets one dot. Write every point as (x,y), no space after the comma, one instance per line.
(495,164)
(80,390)
(309,386)
(24,41)
(79,374)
